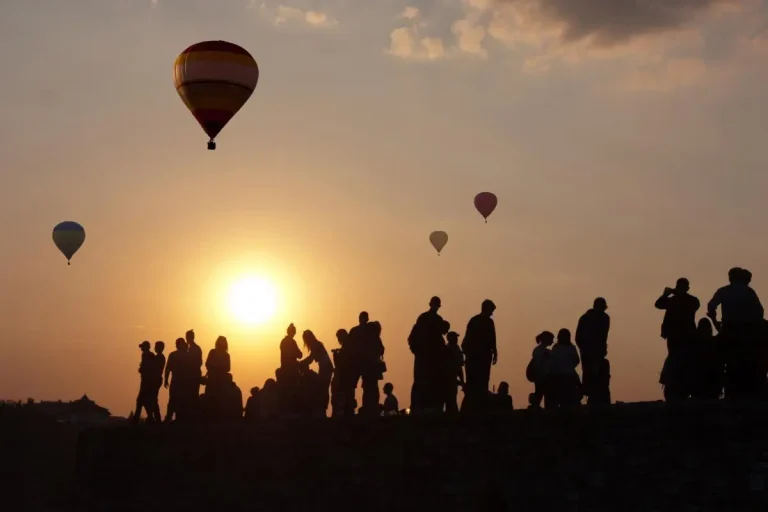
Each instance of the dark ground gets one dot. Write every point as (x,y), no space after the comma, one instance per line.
(635,457)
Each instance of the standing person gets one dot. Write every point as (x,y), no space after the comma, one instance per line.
(564,381)
(707,368)
(342,383)
(146,385)
(538,370)
(425,342)
(193,375)
(289,355)
(158,366)
(592,340)
(742,320)
(679,329)
(217,365)
(479,347)
(174,381)
(319,355)
(366,353)
(454,372)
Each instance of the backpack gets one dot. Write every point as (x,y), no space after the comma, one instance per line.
(530,371)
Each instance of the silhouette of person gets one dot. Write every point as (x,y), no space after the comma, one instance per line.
(742,321)
(707,369)
(218,366)
(318,354)
(342,383)
(539,369)
(146,383)
(269,400)
(479,348)
(289,355)
(158,365)
(390,406)
(425,342)
(454,372)
(174,381)
(502,400)
(367,351)
(232,399)
(565,388)
(592,340)
(678,328)
(253,406)
(194,374)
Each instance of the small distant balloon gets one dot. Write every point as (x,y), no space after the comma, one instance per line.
(486,202)
(438,239)
(214,80)
(68,237)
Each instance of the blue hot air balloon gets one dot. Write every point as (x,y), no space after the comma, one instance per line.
(68,237)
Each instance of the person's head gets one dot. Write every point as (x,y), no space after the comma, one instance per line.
(341,336)
(453,338)
(388,388)
(363,317)
(435,303)
(376,328)
(546,338)
(181,344)
(682,286)
(600,305)
(564,337)
(446,327)
(746,276)
(736,275)
(269,383)
(255,390)
(145,346)
(705,327)
(221,343)
(159,347)
(190,336)
(309,339)
(503,388)
(228,379)
(488,307)
(291,331)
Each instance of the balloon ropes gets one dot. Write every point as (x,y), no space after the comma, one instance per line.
(438,239)
(485,203)
(214,80)
(68,237)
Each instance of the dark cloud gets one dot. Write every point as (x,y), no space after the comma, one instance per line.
(613,22)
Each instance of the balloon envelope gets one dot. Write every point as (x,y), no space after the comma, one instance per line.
(438,240)
(68,237)
(214,80)
(486,202)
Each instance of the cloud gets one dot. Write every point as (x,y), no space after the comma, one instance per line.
(406,44)
(410,13)
(470,37)
(669,74)
(283,14)
(610,23)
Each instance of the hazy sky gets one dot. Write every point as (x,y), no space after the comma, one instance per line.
(626,145)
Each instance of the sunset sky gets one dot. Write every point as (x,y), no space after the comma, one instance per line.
(626,144)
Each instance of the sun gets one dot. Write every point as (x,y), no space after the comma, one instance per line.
(252,300)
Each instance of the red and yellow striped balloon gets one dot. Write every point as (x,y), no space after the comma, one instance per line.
(214,80)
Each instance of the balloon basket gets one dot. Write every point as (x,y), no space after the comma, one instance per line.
(211,145)
(68,264)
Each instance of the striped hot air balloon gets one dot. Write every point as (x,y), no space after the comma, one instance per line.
(214,80)
(68,237)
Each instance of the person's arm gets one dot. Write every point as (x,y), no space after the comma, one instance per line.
(468,335)
(576,358)
(208,361)
(580,327)
(663,301)
(714,304)
(493,342)
(759,310)
(228,364)
(169,368)
(696,304)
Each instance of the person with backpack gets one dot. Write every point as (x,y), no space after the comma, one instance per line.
(537,370)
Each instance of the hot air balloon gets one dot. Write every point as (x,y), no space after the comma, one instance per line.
(214,80)
(68,237)
(438,239)
(486,202)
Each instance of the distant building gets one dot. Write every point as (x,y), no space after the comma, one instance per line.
(82,411)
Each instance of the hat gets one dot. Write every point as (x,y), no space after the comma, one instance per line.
(145,344)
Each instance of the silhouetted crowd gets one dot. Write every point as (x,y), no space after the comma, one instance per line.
(708,360)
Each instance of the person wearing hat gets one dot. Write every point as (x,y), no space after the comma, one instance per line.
(592,340)
(146,385)
(479,346)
